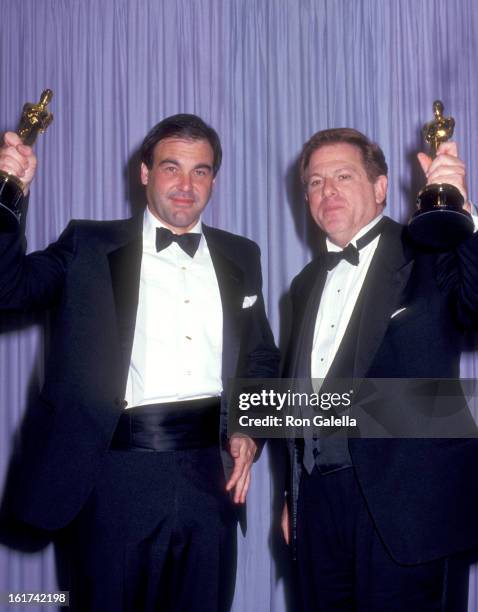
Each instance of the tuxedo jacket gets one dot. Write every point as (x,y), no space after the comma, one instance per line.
(422,494)
(89,278)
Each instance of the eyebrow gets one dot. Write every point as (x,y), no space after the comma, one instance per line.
(176,163)
(168,161)
(339,169)
(205,166)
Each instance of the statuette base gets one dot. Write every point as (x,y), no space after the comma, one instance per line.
(440,223)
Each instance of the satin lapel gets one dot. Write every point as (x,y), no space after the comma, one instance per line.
(125,267)
(384,286)
(307,300)
(230,279)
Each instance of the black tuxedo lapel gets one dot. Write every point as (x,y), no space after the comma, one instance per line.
(379,296)
(125,267)
(230,279)
(382,291)
(307,302)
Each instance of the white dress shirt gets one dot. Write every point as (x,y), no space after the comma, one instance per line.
(341,290)
(177,347)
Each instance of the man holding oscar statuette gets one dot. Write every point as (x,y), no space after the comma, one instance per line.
(125,453)
(382,522)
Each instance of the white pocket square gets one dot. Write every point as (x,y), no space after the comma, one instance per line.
(398,312)
(249,301)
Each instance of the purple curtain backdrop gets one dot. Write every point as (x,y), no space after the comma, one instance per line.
(266,74)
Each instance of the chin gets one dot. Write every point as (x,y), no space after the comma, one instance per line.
(185,223)
(334,228)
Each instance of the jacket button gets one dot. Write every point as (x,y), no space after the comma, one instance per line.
(120,403)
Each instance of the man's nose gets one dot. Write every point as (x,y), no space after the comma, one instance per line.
(329,187)
(185,182)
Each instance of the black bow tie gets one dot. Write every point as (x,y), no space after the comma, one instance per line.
(351,253)
(188,242)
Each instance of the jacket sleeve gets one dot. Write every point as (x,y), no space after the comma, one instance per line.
(457,275)
(34,281)
(262,356)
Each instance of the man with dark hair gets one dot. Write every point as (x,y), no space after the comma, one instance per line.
(190,127)
(379,524)
(126,450)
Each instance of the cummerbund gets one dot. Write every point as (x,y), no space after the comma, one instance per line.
(169,426)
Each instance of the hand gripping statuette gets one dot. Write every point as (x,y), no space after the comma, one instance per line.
(440,221)
(34,120)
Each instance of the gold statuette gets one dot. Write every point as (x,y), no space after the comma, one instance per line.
(440,221)
(34,120)
(439,130)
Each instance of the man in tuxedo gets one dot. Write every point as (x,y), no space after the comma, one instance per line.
(126,451)
(380,524)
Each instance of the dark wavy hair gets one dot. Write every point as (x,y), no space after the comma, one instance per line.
(372,155)
(190,127)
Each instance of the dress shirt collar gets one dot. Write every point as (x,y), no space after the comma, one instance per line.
(150,223)
(334,247)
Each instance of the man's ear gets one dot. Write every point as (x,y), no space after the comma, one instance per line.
(144,174)
(380,189)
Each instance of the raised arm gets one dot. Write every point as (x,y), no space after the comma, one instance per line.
(28,282)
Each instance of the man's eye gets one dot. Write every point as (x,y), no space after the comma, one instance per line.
(170,169)
(315,182)
(344,176)
(200,172)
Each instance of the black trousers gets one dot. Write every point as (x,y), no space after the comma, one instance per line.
(343,565)
(157,534)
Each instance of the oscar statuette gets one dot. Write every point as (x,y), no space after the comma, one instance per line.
(440,221)
(35,119)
